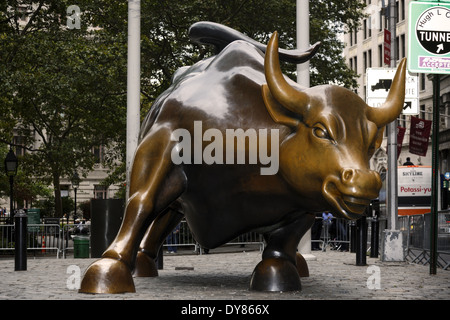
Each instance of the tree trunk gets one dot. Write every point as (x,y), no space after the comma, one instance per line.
(57,189)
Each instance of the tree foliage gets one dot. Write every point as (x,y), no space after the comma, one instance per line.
(63,90)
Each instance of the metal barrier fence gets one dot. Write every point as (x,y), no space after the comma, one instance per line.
(44,239)
(334,234)
(41,238)
(417,229)
(183,237)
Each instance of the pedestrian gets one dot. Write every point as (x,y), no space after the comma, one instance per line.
(408,162)
(327,223)
(316,232)
(172,240)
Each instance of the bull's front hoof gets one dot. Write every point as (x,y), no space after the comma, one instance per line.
(107,276)
(145,266)
(275,274)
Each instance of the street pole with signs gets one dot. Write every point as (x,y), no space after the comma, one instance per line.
(429,52)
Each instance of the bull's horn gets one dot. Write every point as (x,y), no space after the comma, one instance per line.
(393,106)
(285,94)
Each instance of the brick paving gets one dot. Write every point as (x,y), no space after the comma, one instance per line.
(226,276)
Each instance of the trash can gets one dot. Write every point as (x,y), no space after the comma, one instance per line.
(81,247)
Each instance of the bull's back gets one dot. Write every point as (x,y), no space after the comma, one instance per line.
(224,91)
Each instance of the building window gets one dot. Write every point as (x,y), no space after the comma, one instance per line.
(367,28)
(99,153)
(397,18)
(403,46)
(100,191)
(403,10)
(381,21)
(380,55)
(365,61)
(19,141)
(355,34)
(355,64)
(397,47)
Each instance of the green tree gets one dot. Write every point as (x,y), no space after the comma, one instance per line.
(64,87)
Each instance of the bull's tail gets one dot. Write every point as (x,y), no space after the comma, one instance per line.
(205,32)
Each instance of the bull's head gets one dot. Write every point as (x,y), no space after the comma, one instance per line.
(335,133)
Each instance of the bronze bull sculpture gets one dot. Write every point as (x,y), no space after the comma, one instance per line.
(321,140)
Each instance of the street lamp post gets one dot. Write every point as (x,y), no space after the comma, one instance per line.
(20,219)
(75,184)
(11,164)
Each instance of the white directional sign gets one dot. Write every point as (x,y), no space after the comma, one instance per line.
(429,37)
(378,83)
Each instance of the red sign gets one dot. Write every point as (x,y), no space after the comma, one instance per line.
(419,135)
(387,47)
(400,136)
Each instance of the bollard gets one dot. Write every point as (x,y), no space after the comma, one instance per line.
(361,243)
(20,247)
(353,237)
(374,237)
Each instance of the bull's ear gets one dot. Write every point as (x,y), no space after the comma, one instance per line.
(276,110)
(379,138)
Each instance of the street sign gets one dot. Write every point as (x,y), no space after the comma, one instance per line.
(387,47)
(379,82)
(447,175)
(429,37)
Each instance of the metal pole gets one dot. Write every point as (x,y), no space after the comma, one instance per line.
(20,247)
(303,78)
(75,203)
(11,200)
(374,238)
(435,175)
(133,82)
(392,178)
(361,243)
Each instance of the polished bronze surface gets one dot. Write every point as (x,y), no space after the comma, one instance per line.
(321,140)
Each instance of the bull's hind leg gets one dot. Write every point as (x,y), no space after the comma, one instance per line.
(277,271)
(151,243)
(150,194)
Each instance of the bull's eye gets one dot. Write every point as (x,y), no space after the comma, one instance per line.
(321,133)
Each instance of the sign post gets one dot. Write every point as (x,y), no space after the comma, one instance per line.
(429,52)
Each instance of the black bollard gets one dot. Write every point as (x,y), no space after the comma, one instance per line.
(374,237)
(361,243)
(353,237)
(20,227)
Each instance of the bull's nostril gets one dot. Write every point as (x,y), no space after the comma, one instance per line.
(347,174)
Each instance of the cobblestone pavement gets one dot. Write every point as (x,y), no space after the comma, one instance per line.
(226,276)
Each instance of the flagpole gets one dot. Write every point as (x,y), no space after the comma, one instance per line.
(303,78)
(133,82)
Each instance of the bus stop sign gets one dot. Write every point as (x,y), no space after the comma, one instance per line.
(429,37)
